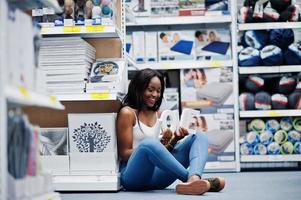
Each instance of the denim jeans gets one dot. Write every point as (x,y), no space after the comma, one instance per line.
(151,166)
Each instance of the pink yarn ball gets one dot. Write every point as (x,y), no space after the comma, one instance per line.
(105,2)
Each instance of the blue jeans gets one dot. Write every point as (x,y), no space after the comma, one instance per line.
(151,166)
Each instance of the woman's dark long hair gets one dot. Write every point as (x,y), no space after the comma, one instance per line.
(137,86)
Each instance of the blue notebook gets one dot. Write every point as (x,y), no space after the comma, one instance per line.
(217,47)
(183,46)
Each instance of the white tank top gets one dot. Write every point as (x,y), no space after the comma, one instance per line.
(144,131)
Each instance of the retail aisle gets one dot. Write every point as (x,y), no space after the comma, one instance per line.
(239,186)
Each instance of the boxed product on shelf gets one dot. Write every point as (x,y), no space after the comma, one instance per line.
(176,45)
(208,89)
(151,47)
(139,8)
(219,127)
(92,139)
(191,8)
(107,74)
(212,44)
(138,46)
(164,8)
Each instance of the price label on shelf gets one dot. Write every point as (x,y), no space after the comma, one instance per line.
(53,99)
(72,29)
(215,63)
(24,92)
(93,29)
(274,113)
(100,96)
(166,65)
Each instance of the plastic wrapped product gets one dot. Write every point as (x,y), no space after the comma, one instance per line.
(291,14)
(249,57)
(272,125)
(292,56)
(294,136)
(286,124)
(246,101)
(245,15)
(271,55)
(286,85)
(294,100)
(280,136)
(279,101)
(281,38)
(256,38)
(280,5)
(273,148)
(297,124)
(297,148)
(256,125)
(266,137)
(252,138)
(254,83)
(263,101)
(260,149)
(298,87)
(287,148)
(246,149)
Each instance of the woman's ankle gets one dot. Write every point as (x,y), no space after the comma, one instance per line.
(193,178)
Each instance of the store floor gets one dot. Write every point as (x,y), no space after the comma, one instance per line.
(239,186)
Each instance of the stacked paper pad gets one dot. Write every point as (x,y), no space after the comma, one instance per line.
(66,63)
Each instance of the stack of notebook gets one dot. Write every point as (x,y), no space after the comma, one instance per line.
(67,64)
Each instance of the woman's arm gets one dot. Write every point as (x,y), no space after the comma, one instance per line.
(124,128)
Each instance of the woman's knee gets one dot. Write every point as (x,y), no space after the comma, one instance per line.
(201,137)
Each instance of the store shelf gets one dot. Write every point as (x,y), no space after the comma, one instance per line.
(182,64)
(49,196)
(86,182)
(270,158)
(25,97)
(97,96)
(269,69)
(264,26)
(97,31)
(269,113)
(31,4)
(177,20)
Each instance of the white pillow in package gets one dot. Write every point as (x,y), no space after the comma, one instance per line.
(215,91)
(219,139)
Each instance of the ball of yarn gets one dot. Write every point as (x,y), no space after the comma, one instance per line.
(292,55)
(280,5)
(280,136)
(294,136)
(246,149)
(297,148)
(246,101)
(272,125)
(254,83)
(279,101)
(252,138)
(263,101)
(256,38)
(256,125)
(106,10)
(260,149)
(297,124)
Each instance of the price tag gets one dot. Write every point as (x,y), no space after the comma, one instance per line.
(100,96)
(93,29)
(166,65)
(216,63)
(53,99)
(274,113)
(72,29)
(24,92)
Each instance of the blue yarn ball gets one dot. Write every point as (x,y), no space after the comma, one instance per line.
(294,136)
(272,125)
(287,148)
(246,149)
(286,124)
(252,138)
(266,137)
(260,149)
(106,10)
(297,148)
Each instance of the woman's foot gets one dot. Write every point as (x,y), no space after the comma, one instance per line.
(194,187)
(216,184)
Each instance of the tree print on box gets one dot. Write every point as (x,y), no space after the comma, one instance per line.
(91,137)
(92,133)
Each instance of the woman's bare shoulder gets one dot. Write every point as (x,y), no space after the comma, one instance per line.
(127,114)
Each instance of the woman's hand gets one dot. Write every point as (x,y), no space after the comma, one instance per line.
(180,134)
(166,136)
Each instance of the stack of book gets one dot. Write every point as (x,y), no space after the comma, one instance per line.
(67,63)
